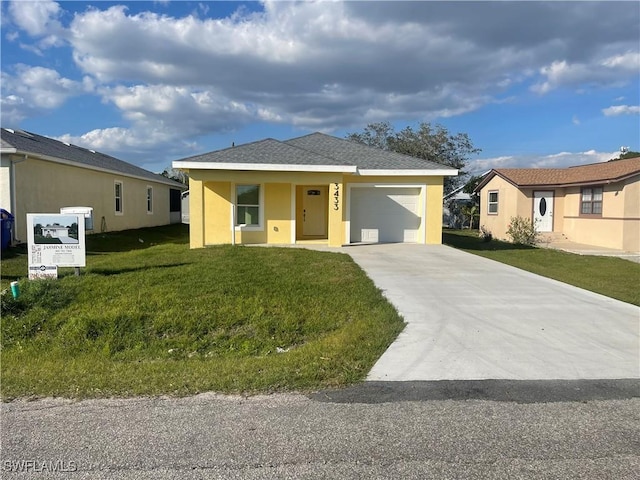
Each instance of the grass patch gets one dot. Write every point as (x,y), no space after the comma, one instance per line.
(614,277)
(163,319)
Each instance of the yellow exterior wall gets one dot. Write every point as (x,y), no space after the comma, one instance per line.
(44,187)
(278,212)
(212,192)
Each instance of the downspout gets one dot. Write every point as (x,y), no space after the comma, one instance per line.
(233,224)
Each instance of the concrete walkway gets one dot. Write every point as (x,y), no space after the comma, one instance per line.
(583,249)
(471,318)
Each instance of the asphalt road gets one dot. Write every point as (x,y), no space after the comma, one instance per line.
(376,430)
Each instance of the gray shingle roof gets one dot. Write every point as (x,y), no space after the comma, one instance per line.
(316,149)
(31,143)
(267,151)
(362,156)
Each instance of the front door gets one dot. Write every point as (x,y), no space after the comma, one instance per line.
(314,211)
(543,211)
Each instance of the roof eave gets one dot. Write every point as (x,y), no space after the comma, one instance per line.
(263,167)
(63,161)
(367,172)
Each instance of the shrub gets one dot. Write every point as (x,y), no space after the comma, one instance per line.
(522,231)
(485,234)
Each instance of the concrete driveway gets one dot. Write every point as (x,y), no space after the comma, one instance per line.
(470,318)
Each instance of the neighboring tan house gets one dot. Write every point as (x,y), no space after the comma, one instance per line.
(596,204)
(315,188)
(41,175)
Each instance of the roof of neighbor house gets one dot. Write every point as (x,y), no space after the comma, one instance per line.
(27,143)
(313,152)
(605,172)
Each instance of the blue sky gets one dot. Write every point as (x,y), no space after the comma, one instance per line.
(547,84)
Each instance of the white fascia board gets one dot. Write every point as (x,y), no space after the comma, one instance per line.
(411,173)
(266,167)
(8,150)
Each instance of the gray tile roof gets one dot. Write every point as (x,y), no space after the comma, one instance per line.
(31,143)
(315,149)
(267,151)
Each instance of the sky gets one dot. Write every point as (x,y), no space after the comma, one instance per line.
(533,84)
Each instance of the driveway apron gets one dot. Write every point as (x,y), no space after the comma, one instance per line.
(470,318)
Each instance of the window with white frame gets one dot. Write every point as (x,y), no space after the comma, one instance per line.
(591,201)
(248,205)
(492,203)
(118,197)
(149,199)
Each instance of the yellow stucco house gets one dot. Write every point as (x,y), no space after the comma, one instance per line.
(315,188)
(41,175)
(596,204)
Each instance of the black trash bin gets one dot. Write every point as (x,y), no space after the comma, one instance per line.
(7,227)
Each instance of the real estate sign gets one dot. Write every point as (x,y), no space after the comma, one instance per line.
(55,240)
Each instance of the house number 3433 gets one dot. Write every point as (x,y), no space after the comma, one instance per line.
(336,196)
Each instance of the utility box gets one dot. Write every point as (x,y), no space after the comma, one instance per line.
(87,212)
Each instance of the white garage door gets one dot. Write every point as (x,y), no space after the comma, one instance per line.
(385,214)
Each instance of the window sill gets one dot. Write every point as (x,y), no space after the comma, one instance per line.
(249,228)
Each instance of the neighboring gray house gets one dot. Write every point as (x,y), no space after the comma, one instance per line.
(41,175)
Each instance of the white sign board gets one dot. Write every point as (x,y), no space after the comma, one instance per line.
(56,239)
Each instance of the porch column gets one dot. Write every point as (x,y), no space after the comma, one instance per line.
(336,215)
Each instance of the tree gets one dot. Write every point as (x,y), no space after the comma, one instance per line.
(73,230)
(626,154)
(470,187)
(431,143)
(470,211)
(175,174)
(37,229)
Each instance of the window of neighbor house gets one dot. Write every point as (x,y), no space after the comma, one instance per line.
(149,199)
(591,202)
(492,205)
(248,205)
(118,196)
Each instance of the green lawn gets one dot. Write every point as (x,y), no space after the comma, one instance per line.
(613,277)
(150,316)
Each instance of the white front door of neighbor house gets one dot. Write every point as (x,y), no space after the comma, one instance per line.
(543,211)
(314,206)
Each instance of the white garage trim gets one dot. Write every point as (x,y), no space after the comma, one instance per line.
(422,201)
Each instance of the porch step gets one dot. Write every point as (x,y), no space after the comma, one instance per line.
(553,237)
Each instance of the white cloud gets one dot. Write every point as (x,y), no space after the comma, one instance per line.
(39,19)
(612,70)
(33,90)
(317,65)
(615,110)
